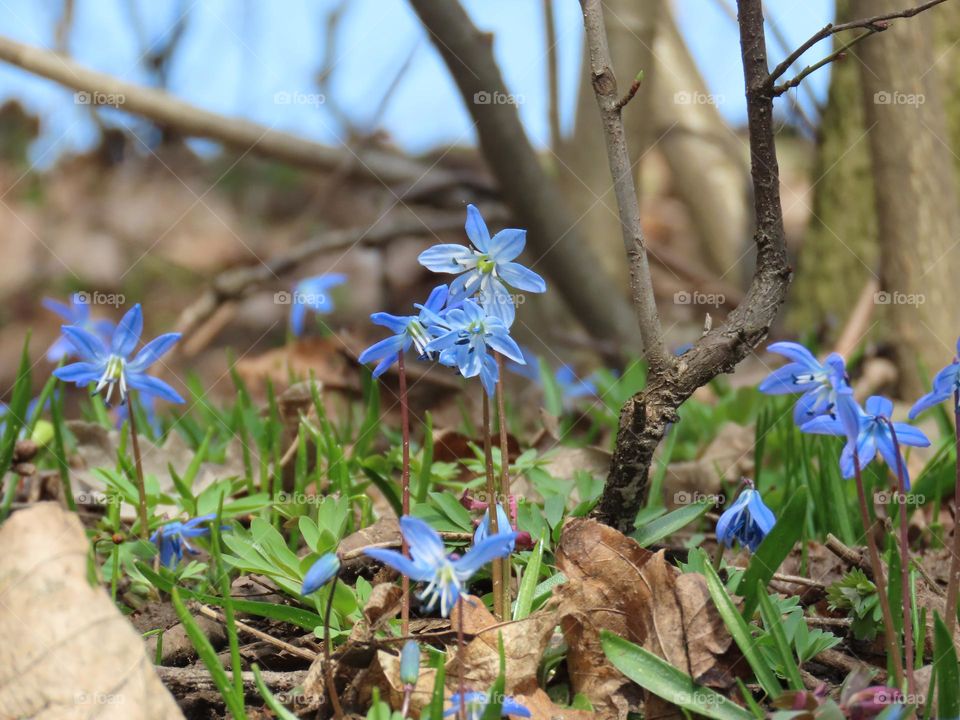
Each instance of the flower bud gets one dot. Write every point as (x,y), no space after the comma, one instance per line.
(410,663)
(322,572)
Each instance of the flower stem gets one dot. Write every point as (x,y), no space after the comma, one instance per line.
(953,580)
(405,488)
(138,466)
(889,632)
(327,667)
(461,647)
(904,562)
(496,566)
(503,492)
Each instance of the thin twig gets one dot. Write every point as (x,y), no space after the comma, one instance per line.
(260,635)
(877,23)
(628,95)
(838,54)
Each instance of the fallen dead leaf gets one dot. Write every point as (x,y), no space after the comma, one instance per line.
(67,651)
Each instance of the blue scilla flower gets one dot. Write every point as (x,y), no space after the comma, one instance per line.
(172,538)
(476,704)
(320,573)
(819,382)
(109,367)
(483,529)
(410,663)
(409,330)
(312,294)
(747,520)
(872,436)
(485,267)
(77,313)
(429,562)
(945,385)
(464,338)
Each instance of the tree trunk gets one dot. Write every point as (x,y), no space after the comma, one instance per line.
(915,187)
(581,159)
(839,252)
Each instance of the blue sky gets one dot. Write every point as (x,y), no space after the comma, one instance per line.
(242,58)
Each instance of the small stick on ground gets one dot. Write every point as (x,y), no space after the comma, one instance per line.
(260,635)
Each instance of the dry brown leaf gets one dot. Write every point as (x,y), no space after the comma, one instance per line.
(541,707)
(523,641)
(616,585)
(67,651)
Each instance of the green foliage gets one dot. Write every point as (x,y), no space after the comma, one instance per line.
(856,594)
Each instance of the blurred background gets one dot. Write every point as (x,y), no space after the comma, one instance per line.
(299,138)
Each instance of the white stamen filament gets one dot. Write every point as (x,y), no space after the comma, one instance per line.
(113,374)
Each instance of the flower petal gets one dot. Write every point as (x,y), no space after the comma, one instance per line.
(425,544)
(81,373)
(153,386)
(298,313)
(403,565)
(477,229)
(795,352)
(495,546)
(506,245)
(128,331)
(394,323)
(448,258)
(879,406)
(520,277)
(152,351)
(87,345)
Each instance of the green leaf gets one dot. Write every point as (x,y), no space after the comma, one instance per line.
(209,657)
(426,461)
(285,613)
(772,620)
(453,510)
(656,675)
(495,698)
(741,633)
(671,522)
(387,487)
(436,700)
(947,671)
(774,549)
(528,585)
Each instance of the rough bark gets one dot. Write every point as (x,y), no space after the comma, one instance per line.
(644,418)
(839,251)
(915,189)
(556,244)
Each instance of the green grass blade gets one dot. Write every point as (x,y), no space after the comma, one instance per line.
(668,524)
(656,675)
(740,631)
(209,657)
(772,621)
(268,697)
(947,671)
(528,585)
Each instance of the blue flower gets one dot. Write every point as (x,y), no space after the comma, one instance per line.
(409,330)
(77,313)
(485,267)
(747,520)
(410,663)
(571,387)
(320,573)
(312,294)
(112,366)
(503,525)
(945,384)
(172,538)
(429,563)
(872,436)
(819,382)
(476,703)
(464,337)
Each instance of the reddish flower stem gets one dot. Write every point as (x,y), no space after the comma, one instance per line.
(138,466)
(503,492)
(327,666)
(461,660)
(405,488)
(492,506)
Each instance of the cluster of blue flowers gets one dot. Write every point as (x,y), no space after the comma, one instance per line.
(827,407)
(460,325)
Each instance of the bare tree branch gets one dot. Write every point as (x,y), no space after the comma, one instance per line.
(190,120)
(838,54)
(645,417)
(534,197)
(877,23)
